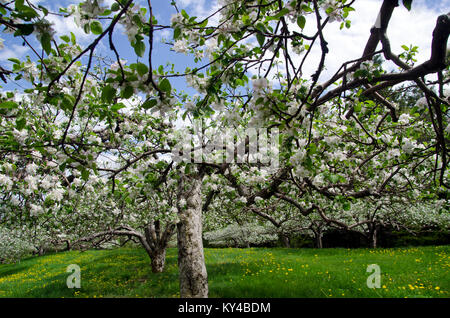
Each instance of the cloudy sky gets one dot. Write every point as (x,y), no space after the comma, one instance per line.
(406,27)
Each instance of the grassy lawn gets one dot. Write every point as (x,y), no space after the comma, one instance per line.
(255,272)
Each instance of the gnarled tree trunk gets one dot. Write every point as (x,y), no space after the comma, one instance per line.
(373,240)
(285,240)
(154,240)
(191,260)
(373,234)
(318,240)
(156,244)
(158,260)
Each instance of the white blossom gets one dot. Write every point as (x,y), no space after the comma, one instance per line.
(408,146)
(32,182)
(35,210)
(46,182)
(258,199)
(21,135)
(421,103)
(181,46)
(6,181)
(259,84)
(115,66)
(404,119)
(242,200)
(393,153)
(31,168)
(182,202)
(332,10)
(176,19)
(57,194)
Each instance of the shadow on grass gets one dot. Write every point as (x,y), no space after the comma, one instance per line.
(56,288)
(17,269)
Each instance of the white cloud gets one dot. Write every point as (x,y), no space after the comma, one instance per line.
(200,8)
(406,27)
(64,26)
(16,51)
(164,34)
(109,3)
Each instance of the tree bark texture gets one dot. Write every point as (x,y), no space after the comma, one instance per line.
(156,244)
(158,260)
(191,260)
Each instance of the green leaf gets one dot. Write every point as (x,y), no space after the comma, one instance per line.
(334,178)
(67,102)
(204,23)
(142,69)
(14,60)
(312,148)
(26,13)
(261,38)
(188,168)
(348,9)
(46,43)
(106,13)
(280,14)
(149,103)
(139,48)
(96,27)
(8,105)
(184,14)
(115,7)
(20,123)
(87,28)
(19,4)
(44,10)
(24,29)
(73,39)
(108,94)
(165,86)
(301,21)
(117,106)
(176,33)
(85,174)
(137,20)
(306,8)
(346,206)
(407,4)
(127,92)
(65,38)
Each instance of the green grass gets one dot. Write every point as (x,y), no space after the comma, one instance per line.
(255,272)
